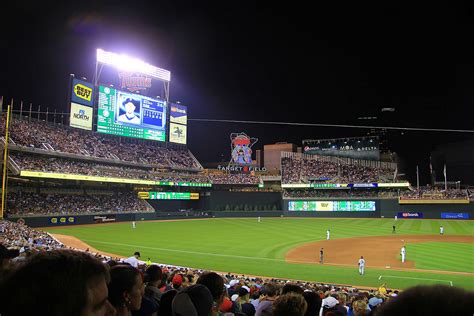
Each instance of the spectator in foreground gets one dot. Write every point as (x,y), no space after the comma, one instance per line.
(125,289)
(314,303)
(359,308)
(270,291)
(430,300)
(195,300)
(153,276)
(290,304)
(215,284)
(58,282)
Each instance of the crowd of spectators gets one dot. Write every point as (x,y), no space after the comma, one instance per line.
(304,170)
(233,178)
(61,138)
(434,194)
(34,268)
(28,203)
(70,166)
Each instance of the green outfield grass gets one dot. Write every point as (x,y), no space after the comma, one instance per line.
(245,246)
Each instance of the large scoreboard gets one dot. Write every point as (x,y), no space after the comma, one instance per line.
(126,114)
(332,206)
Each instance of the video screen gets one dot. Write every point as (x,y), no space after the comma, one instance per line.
(127,114)
(332,206)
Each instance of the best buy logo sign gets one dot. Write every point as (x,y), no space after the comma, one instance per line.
(83,92)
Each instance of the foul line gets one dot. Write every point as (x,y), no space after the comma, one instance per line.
(401,277)
(189,251)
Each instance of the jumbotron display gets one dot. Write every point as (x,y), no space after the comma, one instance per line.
(126,114)
(335,206)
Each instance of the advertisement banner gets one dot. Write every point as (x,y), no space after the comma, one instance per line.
(455,215)
(178,114)
(335,206)
(104,218)
(394,185)
(62,220)
(82,92)
(410,214)
(324,206)
(81,116)
(356,148)
(178,133)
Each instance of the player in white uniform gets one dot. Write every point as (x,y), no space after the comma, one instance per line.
(327,234)
(403,253)
(259,219)
(134,225)
(361,265)
(441,230)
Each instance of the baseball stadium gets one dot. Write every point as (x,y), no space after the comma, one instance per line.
(114,177)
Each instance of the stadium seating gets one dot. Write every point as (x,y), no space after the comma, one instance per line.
(28,203)
(306,169)
(60,138)
(434,194)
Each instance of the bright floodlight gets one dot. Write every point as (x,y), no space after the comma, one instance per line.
(126,63)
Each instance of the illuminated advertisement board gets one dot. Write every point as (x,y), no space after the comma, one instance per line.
(131,115)
(82,92)
(332,206)
(68,176)
(178,133)
(344,185)
(356,148)
(178,114)
(170,195)
(81,116)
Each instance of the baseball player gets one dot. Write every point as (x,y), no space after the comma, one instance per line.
(134,225)
(361,265)
(393,229)
(327,234)
(321,256)
(259,219)
(403,253)
(441,230)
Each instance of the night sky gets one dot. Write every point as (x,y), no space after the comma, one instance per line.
(243,61)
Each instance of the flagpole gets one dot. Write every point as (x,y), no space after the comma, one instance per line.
(417,179)
(445,179)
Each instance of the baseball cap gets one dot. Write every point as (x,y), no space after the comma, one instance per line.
(234,297)
(195,300)
(374,301)
(137,253)
(177,279)
(330,302)
(233,282)
(244,290)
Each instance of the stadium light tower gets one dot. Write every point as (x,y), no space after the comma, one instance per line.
(130,64)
